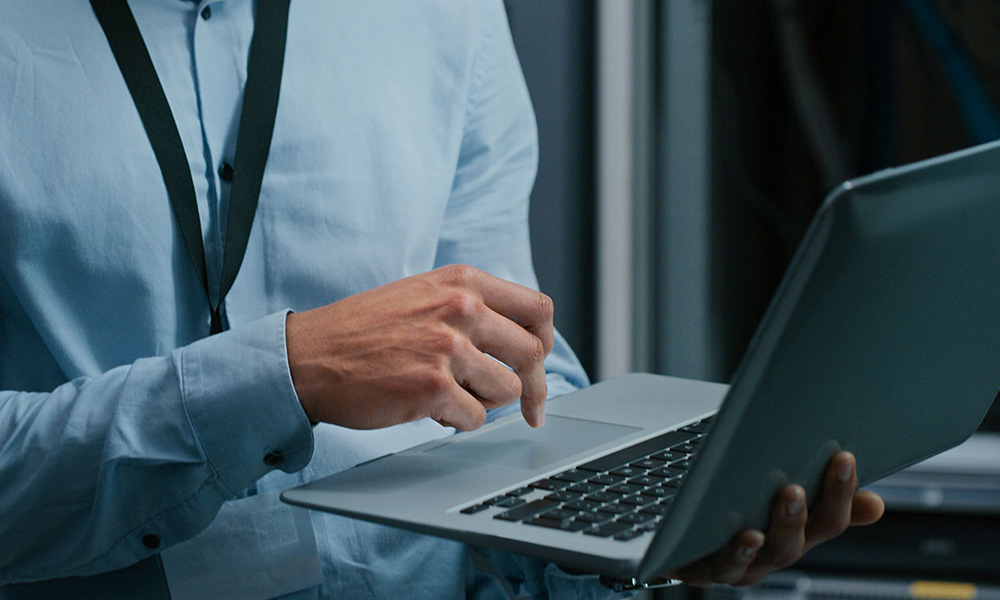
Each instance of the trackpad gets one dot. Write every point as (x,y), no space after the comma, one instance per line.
(515,444)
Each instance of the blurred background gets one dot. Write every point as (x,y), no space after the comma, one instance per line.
(685,146)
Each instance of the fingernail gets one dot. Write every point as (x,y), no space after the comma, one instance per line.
(844,469)
(746,553)
(795,507)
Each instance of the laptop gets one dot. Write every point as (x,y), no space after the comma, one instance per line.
(883,339)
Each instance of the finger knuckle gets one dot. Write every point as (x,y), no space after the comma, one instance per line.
(460,304)
(459,275)
(434,382)
(437,412)
(544,307)
(448,342)
(536,351)
(440,340)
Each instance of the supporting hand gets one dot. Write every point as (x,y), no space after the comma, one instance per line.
(792,531)
(423,346)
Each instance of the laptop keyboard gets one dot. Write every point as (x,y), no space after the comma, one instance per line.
(622,495)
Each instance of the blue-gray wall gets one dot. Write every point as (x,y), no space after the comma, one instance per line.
(555,42)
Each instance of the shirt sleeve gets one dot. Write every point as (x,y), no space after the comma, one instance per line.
(102,472)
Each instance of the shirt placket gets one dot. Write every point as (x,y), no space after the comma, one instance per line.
(219,75)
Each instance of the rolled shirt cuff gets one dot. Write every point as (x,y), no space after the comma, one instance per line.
(237,390)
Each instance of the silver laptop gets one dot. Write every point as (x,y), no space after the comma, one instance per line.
(883,339)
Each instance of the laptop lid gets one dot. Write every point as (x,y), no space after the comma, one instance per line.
(883,339)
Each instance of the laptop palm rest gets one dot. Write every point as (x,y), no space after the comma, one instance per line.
(516,445)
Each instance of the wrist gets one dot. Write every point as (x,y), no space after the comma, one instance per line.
(297,357)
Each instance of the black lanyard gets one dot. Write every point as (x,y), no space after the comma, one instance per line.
(260,103)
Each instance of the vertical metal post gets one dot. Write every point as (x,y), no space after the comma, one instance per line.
(614,187)
(687,329)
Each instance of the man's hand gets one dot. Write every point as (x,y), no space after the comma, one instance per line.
(422,347)
(792,530)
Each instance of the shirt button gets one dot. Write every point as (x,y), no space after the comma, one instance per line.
(226,171)
(206,13)
(274,459)
(151,541)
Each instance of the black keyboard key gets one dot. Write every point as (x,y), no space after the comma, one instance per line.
(626,488)
(644,480)
(585,488)
(544,523)
(603,497)
(607,479)
(698,426)
(559,514)
(549,484)
(628,471)
(669,455)
(520,491)
(667,472)
(609,529)
(471,510)
(617,509)
(658,509)
(595,517)
(527,510)
(581,505)
(661,491)
(564,496)
(636,518)
(493,501)
(650,525)
(647,463)
(563,525)
(509,502)
(629,535)
(640,450)
(573,475)
(685,448)
(577,525)
(638,500)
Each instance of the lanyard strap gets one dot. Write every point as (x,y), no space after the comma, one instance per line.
(260,104)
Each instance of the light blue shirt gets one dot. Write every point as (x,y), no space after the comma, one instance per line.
(404,141)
